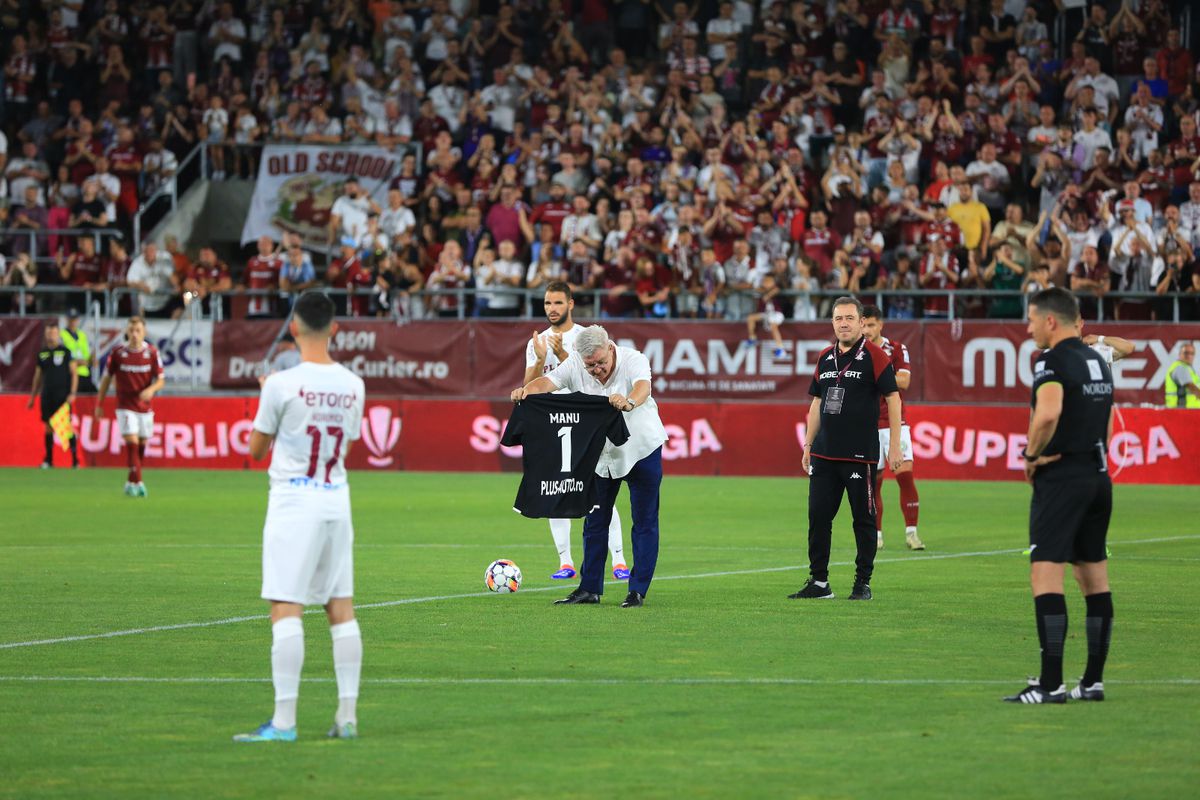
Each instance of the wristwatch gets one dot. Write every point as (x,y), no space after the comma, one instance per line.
(1028,457)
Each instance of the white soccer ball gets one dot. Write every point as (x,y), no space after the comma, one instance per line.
(502,577)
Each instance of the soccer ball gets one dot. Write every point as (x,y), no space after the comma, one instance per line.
(502,577)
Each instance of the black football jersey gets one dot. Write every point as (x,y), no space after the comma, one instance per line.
(562,436)
(1087,398)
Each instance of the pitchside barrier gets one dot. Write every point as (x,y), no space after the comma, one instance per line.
(706,438)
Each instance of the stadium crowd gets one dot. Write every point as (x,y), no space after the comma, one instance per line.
(705,159)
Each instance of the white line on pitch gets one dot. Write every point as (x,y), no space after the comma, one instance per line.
(576,681)
(436,598)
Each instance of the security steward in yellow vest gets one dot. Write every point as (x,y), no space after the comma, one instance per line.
(1182,382)
(76,340)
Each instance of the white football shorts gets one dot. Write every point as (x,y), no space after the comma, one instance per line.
(135,423)
(772,318)
(308,542)
(885,441)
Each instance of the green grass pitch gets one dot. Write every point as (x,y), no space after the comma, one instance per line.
(719,687)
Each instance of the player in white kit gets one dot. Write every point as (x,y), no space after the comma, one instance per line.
(310,413)
(543,353)
(1111,348)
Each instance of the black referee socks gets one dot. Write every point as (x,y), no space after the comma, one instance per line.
(1051,611)
(1099,632)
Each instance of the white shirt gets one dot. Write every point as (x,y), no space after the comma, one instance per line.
(646,431)
(1189,219)
(503,269)
(723,27)
(998,171)
(1092,141)
(395,221)
(353,214)
(568,344)
(447,100)
(156,275)
(17,186)
(574,227)
(1104,90)
(502,102)
(314,411)
(233,27)
(110,189)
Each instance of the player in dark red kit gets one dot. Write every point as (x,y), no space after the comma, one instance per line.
(138,372)
(909,501)
(262,274)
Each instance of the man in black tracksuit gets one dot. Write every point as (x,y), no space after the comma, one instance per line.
(841,451)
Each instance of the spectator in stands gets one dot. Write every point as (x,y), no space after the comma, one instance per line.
(297,272)
(19,271)
(90,211)
(29,217)
(939,271)
(348,217)
(27,171)
(158,286)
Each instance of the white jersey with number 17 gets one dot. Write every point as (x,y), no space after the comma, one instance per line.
(314,411)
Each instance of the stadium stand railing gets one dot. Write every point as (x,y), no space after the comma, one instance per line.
(111,303)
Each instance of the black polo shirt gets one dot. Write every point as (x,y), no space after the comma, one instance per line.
(1087,385)
(858,377)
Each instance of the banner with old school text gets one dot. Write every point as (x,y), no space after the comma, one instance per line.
(298,184)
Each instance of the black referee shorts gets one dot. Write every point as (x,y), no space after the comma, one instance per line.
(50,404)
(1068,517)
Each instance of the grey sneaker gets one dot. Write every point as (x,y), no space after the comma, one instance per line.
(347,731)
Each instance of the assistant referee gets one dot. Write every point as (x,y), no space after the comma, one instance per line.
(841,451)
(1067,463)
(56,381)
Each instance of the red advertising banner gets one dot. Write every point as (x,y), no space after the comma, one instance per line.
(421,358)
(992,362)
(689,360)
(20,340)
(953,362)
(950,442)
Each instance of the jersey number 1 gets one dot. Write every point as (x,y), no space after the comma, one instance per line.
(564,433)
(314,455)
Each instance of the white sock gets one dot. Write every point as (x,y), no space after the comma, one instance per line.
(287,659)
(615,546)
(822,584)
(560,529)
(347,663)
(910,529)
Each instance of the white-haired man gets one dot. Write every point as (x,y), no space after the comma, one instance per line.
(622,374)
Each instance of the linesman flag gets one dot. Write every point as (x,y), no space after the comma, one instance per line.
(60,423)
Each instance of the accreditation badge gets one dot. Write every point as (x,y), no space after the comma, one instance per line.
(834,397)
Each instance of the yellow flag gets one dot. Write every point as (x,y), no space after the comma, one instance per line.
(60,423)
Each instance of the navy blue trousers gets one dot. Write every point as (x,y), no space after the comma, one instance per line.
(644,481)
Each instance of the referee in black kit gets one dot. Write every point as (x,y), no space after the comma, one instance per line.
(1067,464)
(841,451)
